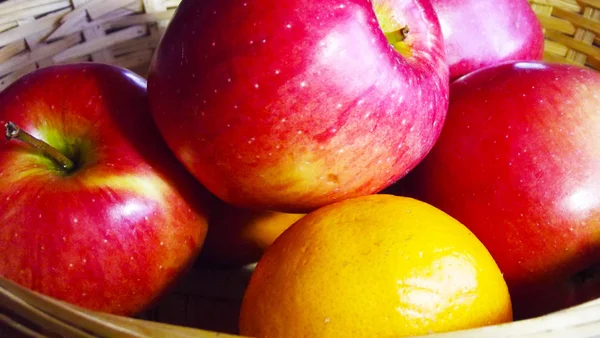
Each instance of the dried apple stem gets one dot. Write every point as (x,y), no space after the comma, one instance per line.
(13,132)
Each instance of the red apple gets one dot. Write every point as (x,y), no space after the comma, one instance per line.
(292,105)
(518,162)
(480,33)
(115,230)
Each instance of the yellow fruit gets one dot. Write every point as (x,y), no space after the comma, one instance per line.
(237,237)
(374,266)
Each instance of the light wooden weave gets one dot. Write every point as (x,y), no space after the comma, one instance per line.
(572,30)
(39,33)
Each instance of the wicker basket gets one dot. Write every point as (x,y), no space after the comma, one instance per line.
(39,33)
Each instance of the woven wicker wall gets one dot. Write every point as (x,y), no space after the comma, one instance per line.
(38,33)
(572,30)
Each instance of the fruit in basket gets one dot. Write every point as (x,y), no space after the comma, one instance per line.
(480,33)
(289,106)
(105,216)
(518,162)
(237,236)
(370,266)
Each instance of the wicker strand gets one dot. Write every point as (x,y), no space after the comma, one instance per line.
(71,321)
(40,33)
(571,29)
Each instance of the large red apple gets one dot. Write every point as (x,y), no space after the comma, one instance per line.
(113,231)
(291,105)
(480,33)
(518,162)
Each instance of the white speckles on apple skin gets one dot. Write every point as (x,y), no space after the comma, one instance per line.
(524,153)
(330,84)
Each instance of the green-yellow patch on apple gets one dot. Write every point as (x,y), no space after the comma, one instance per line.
(149,186)
(66,136)
(323,83)
(298,172)
(94,209)
(394,30)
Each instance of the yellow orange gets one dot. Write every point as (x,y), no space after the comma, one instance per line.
(374,266)
(237,236)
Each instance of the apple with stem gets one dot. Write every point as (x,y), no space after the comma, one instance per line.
(94,208)
(289,106)
(518,163)
(481,33)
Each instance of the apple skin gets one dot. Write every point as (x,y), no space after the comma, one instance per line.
(480,33)
(115,233)
(289,106)
(518,162)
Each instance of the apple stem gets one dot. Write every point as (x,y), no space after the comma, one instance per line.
(397,35)
(14,132)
